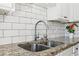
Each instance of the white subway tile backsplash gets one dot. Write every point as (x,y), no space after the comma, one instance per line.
(19,26)
(55,30)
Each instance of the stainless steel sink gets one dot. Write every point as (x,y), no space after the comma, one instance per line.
(33,47)
(39,47)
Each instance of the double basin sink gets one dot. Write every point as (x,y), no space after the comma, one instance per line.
(36,47)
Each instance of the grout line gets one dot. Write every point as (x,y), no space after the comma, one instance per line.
(17,36)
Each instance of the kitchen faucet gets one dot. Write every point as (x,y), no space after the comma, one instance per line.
(37,36)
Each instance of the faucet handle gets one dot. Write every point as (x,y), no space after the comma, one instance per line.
(45,36)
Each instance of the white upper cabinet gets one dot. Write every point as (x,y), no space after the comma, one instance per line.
(74,11)
(60,10)
(64,9)
(53,12)
(70,10)
(6,7)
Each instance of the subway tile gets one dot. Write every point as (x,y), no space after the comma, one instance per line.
(30,32)
(29,20)
(19,13)
(10,33)
(28,14)
(17,6)
(25,20)
(22,38)
(11,19)
(1,18)
(15,39)
(26,8)
(41,26)
(18,39)
(18,26)
(30,26)
(34,6)
(5,25)
(6,40)
(1,33)
(22,32)
(37,11)
(29,38)
(33,16)
(33,10)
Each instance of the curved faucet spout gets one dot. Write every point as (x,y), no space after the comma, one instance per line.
(36,29)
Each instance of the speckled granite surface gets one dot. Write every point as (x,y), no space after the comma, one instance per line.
(15,50)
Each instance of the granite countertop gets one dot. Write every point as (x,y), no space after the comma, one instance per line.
(15,50)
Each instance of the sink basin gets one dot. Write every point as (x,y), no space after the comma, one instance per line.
(53,43)
(39,47)
(33,47)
